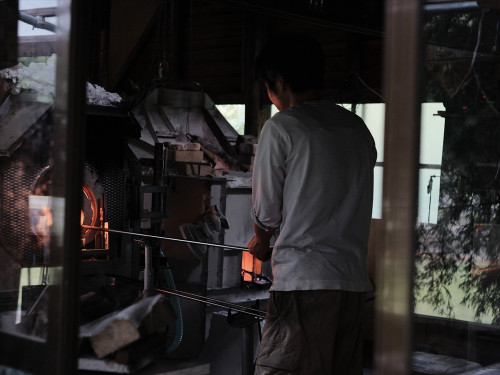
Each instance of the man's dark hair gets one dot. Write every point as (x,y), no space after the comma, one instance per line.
(299,59)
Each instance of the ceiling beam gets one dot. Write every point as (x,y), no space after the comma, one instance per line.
(129,22)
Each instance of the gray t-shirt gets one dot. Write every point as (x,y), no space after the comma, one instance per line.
(313,178)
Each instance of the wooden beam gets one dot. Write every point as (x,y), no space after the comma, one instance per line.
(402,64)
(8,33)
(130,20)
(179,18)
(255,115)
(488,4)
(34,46)
(41,12)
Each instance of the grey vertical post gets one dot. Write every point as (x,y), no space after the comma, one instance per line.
(393,342)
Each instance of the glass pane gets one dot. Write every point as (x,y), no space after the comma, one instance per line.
(33,188)
(26,205)
(373,115)
(457,284)
(431,151)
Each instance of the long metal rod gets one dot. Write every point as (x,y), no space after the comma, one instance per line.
(206,300)
(210,301)
(241,248)
(215,302)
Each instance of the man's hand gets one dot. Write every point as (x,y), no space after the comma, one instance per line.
(260,250)
(259,244)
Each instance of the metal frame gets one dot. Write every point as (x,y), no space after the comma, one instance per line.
(68,166)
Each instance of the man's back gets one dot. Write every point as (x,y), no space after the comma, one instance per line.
(318,159)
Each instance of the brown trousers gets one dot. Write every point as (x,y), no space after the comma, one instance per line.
(312,333)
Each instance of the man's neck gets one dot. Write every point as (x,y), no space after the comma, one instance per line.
(297,99)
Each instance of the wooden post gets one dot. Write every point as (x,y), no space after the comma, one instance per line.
(255,115)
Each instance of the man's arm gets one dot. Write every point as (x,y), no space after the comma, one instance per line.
(259,245)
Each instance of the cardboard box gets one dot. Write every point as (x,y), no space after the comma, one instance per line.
(186,156)
(193,169)
(189,146)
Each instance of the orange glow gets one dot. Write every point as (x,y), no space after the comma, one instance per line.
(250,266)
(40,211)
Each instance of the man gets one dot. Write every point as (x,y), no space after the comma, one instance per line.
(312,181)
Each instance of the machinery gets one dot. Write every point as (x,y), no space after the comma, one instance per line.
(146,213)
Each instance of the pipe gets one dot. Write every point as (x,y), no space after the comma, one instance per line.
(179,324)
(247,350)
(148,268)
(37,22)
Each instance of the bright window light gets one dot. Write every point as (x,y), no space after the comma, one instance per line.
(235,115)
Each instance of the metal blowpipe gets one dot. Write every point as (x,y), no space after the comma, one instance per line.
(241,248)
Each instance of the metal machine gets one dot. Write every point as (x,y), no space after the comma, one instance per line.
(140,209)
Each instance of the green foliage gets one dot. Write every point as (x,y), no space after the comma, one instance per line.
(462,71)
(465,241)
(26,61)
